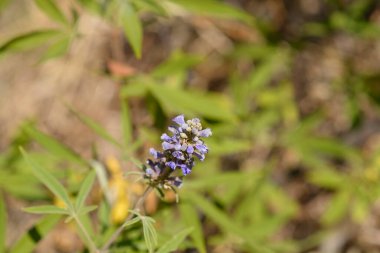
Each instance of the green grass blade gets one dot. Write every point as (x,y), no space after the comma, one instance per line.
(216,9)
(48,180)
(126,123)
(3,224)
(57,49)
(225,222)
(132,27)
(29,240)
(50,8)
(47,209)
(191,218)
(28,41)
(52,145)
(174,242)
(87,209)
(85,190)
(98,129)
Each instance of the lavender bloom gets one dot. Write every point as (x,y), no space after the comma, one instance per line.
(179,152)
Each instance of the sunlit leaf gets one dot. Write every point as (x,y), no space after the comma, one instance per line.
(126,123)
(212,105)
(175,241)
(48,180)
(49,209)
(57,49)
(191,217)
(224,221)
(87,209)
(84,190)
(52,145)
(96,127)
(337,208)
(132,27)
(214,8)
(50,8)
(28,41)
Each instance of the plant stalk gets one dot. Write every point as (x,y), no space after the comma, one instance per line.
(90,242)
(116,234)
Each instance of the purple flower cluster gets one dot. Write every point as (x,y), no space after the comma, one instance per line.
(179,151)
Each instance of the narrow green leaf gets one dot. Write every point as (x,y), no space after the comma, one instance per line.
(175,241)
(85,190)
(3,223)
(28,41)
(215,8)
(52,145)
(191,218)
(229,146)
(94,126)
(126,123)
(101,173)
(47,179)
(224,222)
(29,240)
(132,27)
(132,221)
(50,8)
(211,105)
(177,62)
(337,208)
(150,234)
(57,49)
(87,209)
(48,209)
(150,5)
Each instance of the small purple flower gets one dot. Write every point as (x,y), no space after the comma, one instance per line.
(180,148)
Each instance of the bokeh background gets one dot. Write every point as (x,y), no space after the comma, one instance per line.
(290,89)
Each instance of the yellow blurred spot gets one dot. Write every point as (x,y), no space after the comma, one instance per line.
(118,187)
(59,202)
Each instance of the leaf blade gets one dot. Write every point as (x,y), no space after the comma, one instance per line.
(50,8)
(85,190)
(132,27)
(45,209)
(175,241)
(47,179)
(28,40)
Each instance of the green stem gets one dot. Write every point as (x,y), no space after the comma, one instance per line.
(116,234)
(90,242)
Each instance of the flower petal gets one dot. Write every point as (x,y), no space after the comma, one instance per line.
(180,119)
(205,132)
